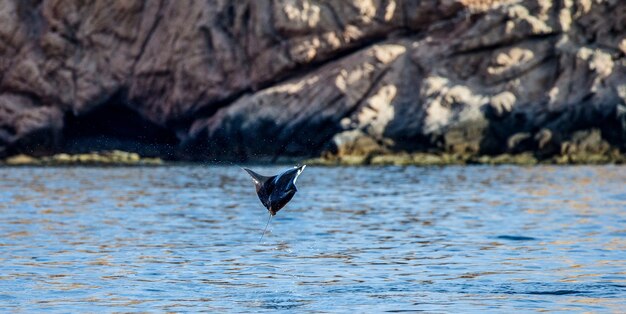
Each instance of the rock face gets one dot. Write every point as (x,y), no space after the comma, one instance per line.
(269,78)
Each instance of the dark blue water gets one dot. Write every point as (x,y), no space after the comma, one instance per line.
(457,239)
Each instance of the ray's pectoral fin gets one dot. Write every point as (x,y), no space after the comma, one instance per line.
(258,179)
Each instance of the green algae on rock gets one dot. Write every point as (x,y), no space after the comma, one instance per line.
(443,159)
(114,157)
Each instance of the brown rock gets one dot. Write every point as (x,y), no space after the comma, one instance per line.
(275,78)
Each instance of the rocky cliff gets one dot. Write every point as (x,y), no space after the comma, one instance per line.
(269,78)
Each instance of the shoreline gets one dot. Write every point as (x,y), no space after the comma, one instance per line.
(444,159)
(118,158)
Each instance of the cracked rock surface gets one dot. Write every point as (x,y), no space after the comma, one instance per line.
(270,78)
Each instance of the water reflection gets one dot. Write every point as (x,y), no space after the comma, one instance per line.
(378,239)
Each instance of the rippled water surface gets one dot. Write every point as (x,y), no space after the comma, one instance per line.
(185,238)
